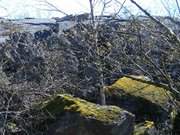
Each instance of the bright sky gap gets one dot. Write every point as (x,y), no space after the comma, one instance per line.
(37,9)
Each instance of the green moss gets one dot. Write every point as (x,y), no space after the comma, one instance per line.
(139,87)
(143,128)
(62,103)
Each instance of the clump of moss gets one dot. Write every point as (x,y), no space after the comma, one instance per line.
(62,103)
(144,128)
(142,88)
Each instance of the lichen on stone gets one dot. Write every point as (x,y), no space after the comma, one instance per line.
(62,103)
(142,88)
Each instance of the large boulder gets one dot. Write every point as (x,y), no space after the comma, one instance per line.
(147,100)
(70,115)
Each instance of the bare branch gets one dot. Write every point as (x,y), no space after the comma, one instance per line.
(54,8)
(122,6)
(178,6)
(172,38)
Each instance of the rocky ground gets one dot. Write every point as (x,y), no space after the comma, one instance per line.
(52,71)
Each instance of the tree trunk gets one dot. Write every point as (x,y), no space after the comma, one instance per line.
(102,90)
(92,11)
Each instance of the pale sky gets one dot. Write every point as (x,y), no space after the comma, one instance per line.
(34,8)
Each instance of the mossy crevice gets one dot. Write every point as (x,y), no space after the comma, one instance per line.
(176,124)
(144,128)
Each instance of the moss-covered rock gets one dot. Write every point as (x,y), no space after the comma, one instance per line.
(147,100)
(76,116)
(145,128)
